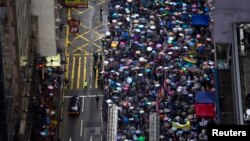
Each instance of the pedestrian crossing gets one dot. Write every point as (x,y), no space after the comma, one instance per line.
(80,72)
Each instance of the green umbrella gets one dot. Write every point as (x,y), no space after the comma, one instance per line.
(141,138)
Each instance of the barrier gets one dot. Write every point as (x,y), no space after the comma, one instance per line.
(154,128)
(112,123)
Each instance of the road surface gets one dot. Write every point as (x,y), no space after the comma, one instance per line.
(80,68)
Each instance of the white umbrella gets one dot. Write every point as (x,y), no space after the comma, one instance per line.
(149,48)
(171,38)
(137,30)
(119,89)
(119,23)
(152,22)
(137,68)
(136,15)
(109,101)
(152,27)
(140,74)
(141,59)
(211,63)
(151,17)
(131,107)
(114,21)
(129,80)
(180,29)
(128,19)
(157,85)
(117,6)
(105,62)
(136,21)
(108,33)
(140,26)
(138,52)
(181,34)
(141,111)
(170,53)
(176,48)
(118,84)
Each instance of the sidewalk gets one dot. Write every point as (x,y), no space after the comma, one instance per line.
(48,102)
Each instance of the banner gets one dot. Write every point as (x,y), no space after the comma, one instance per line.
(76,3)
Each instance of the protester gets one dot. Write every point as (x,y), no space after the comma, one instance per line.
(155,61)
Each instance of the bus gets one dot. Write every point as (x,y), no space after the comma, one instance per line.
(76,3)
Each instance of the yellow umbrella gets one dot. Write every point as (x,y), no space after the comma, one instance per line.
(114,44)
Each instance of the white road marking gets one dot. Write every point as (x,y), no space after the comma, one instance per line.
(101,123)
(81,128)
(85,96)
(70,139)
(90,138)
(82,104)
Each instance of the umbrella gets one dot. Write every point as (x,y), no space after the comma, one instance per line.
(170,53)
(114,44)
(140,26)
(157,85)
(105,62)
(141,138)
(138,131)
(138,52)
(137,30)
(190,60)
(117,6)
(119,23)
(49,69)
(149,48)
(211,63)
(136,21)
(171,38)
(141,59)
(114,21)
(118,84)
(140,74)
(129,80)
(125,88)
(50,87)
(152,27)
(108,33)
(119,89)
(109,101)
(141,111)
(158,45)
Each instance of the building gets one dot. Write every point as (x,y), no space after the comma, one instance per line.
(17,58)
(231,30)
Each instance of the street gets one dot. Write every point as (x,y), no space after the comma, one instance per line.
(81,72)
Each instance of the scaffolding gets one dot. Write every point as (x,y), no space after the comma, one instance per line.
(154,128)
(112,123)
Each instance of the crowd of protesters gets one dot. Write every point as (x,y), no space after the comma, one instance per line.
(46,103)
(155,61)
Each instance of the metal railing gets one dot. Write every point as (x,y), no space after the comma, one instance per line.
(236,78)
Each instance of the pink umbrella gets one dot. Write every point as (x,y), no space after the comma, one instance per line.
(50,87)
(158,45)
(125,88)
(165,118)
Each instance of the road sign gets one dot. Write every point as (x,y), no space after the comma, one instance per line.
(74,25)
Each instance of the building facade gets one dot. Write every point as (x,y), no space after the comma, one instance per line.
(17,59)
(231,30)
